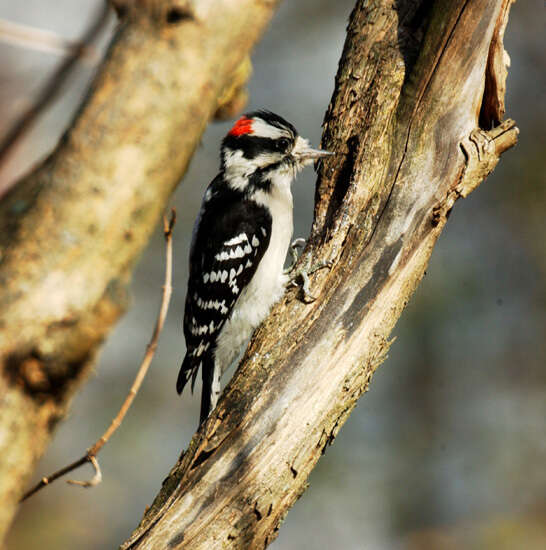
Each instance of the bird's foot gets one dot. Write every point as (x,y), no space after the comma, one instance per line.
(298,243)
(304,271)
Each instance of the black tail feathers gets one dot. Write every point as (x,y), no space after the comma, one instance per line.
(207,373)
(184,374)
(189,370)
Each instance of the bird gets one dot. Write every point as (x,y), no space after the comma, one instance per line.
(239,245)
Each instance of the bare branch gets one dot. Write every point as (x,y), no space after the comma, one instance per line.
(54,84)
(40,40)
(95,480)
(93,451)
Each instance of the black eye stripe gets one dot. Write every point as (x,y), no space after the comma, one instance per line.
(283,144)
(252,146)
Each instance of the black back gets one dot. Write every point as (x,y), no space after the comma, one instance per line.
(226,217)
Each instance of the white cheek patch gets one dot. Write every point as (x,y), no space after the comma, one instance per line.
(232,158)
(266,159)
(238,168)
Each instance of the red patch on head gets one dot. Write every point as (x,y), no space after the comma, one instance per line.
(241,127)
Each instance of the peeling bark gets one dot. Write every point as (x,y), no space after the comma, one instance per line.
(71,231)
(405,115)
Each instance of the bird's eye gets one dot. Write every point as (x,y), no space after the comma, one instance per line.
(283,144)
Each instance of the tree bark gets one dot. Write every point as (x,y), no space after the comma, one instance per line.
(71,231)
(415,81)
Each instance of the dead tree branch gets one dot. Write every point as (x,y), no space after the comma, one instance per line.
(54,83)
(71,231)
(405,115)
(41,40)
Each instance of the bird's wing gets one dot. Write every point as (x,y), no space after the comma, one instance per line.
(228,246)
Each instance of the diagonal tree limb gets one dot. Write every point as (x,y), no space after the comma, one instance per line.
(54,84)
(25,36)
(405,110)
(71,231)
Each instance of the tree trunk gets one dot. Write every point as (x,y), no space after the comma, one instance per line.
(419,87)
(70,232)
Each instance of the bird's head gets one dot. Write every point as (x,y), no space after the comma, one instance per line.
(262,149)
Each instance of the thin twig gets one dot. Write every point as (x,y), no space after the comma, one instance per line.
(53,85)
(95,480)
(90,455)
(25,36)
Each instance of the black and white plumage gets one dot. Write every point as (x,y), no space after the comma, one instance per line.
(239,246)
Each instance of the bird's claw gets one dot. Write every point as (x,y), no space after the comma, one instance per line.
(297,243)
(304,271)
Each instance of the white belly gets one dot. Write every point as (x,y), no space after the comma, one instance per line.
(266,286)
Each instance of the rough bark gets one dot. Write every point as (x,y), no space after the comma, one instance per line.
(70,232)
(412,82)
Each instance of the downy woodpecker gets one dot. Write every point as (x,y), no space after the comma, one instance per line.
(239,245)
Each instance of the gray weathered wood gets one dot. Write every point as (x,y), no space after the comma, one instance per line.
(405,119)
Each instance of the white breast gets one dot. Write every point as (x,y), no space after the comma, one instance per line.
(268,283)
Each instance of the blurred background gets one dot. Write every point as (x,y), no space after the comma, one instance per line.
(448,448)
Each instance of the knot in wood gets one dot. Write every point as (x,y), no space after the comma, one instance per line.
(159,12)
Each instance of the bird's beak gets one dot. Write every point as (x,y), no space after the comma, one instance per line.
(304,154)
